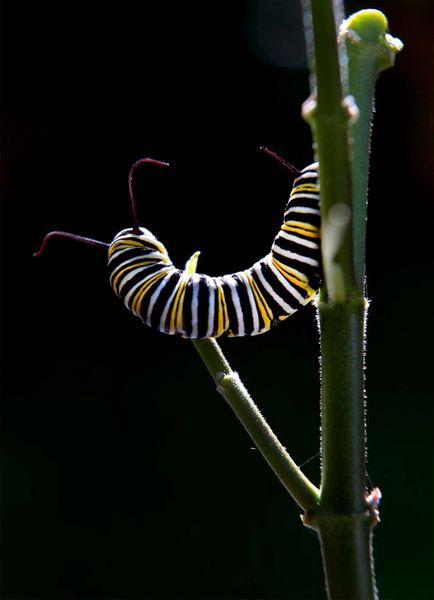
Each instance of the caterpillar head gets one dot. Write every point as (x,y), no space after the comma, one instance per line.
(141,234)
(136,238)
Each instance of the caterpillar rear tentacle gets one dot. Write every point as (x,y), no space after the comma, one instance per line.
(245,303)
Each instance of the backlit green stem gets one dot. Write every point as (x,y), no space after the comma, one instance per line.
(232,389)
(370,50)
(340,112)
(329,111)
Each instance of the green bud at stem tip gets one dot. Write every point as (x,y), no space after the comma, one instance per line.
(370,26)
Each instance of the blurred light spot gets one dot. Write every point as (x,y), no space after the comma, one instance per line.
(274,32)
(339,215)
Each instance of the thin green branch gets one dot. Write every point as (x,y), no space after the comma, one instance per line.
(234,392)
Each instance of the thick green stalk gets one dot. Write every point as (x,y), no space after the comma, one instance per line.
(346,544)
(343,480)
(344,518)
(329,112)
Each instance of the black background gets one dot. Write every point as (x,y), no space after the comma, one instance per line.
(124,473)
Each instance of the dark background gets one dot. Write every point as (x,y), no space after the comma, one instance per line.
(124,473)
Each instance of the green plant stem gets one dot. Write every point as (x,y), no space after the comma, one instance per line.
(343,479)
(344,520)
(370,50)
(346,544)
(329,115)
(232,389)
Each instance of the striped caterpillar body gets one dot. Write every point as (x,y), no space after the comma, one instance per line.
(244,303)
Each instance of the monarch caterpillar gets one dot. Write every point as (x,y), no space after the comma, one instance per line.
(195,305)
